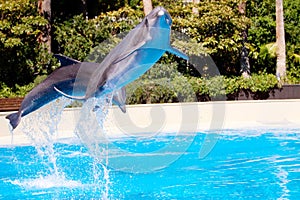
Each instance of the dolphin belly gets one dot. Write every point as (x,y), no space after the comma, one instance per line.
(142,62)
(40,102)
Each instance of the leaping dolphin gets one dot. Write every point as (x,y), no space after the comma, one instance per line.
(133,56)
(63,77)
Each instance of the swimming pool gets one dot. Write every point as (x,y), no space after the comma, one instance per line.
(244,164)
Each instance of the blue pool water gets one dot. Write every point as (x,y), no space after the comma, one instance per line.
(250,164)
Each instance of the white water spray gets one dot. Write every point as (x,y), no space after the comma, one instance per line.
(90,129)
(41,128)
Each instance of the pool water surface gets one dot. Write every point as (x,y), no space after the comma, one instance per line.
(252,164)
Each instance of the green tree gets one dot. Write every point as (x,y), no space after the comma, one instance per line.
(85,35)
(22,57)
(262,35)
(217,25)
(292,30)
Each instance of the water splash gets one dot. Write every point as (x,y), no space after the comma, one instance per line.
(47,182)
(41,128)
(90,129)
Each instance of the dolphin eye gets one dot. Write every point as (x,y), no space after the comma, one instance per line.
(146,22)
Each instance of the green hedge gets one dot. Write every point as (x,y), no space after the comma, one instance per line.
(164,84)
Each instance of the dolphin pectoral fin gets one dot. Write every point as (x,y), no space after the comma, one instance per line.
(65,61)
(70,96)
(14,119)
(119,98)
(178,53)
(123,108)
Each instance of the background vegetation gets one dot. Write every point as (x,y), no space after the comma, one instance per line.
(216,26)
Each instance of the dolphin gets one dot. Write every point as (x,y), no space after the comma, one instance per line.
(63,77)
(119,96)
(141,48)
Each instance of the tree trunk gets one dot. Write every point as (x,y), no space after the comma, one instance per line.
(44,8)
(84,8)
(147,6)
(195,9)
(280,41)
(245,65)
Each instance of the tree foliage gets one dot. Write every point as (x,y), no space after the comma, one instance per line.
(213,26)
(85,35)
(262,34)
(22,56)
(217,26)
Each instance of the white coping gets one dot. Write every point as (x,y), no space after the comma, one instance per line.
(177,117)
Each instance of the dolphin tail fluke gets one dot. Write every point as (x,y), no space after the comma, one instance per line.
(178,53)
(14,119)
(70,96)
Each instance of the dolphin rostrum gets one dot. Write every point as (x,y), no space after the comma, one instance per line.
(133,56)
(63,77)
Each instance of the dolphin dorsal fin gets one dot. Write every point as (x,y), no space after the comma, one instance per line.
(65,60)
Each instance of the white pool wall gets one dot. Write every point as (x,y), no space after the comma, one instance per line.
(174,117)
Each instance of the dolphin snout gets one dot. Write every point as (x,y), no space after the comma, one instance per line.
(161,13)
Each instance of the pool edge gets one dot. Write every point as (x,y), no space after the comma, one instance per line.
(218,115)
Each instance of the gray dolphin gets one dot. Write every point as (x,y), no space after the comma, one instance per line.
(133,56)
(63,77)
(119,96)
